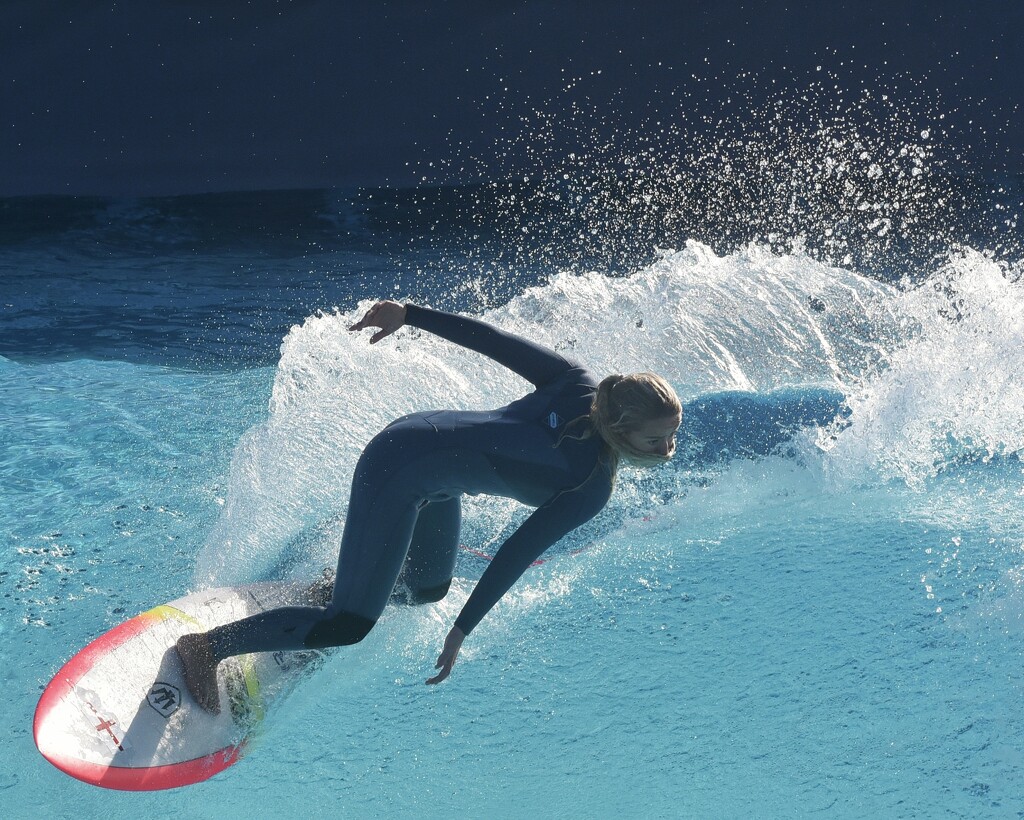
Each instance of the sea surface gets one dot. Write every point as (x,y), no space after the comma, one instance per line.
(803,615)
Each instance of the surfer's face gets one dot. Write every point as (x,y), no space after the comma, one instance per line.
(656,437)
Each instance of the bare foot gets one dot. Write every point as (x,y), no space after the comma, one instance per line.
(200,670)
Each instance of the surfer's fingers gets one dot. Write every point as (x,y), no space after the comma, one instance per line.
(365,321)
(445,664)
(388,316)
(440,676)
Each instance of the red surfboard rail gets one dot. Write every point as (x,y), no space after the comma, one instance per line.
(62,687)
(156,778)
(152,778)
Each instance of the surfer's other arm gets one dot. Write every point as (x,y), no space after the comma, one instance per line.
(535,363)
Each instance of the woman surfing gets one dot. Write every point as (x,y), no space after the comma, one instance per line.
(555,449)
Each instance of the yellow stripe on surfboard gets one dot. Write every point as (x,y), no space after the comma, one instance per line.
(252,684)
(166,612)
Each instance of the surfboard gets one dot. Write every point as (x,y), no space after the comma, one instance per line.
(118,714)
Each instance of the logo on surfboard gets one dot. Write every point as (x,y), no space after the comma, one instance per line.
(165,698)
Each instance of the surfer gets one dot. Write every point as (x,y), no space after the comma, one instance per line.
(556,449)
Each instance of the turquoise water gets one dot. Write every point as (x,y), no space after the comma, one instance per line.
(831,629)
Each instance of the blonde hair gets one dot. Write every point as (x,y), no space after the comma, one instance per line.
(623,403)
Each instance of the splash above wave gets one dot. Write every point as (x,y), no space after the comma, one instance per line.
(928,374)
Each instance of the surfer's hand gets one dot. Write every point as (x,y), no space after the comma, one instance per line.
(446,660)
(388,316)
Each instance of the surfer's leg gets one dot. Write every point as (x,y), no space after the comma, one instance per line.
(285,628)
(403,466)
(388,488)
(430,563)
(367,570)
(293,628)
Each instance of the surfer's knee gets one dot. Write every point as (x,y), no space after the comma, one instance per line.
(415,596)
(342,629)
(430,595)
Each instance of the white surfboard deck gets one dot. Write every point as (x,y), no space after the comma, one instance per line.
(118,714)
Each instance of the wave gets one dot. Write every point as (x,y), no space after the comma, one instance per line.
(873,382)
(953,381)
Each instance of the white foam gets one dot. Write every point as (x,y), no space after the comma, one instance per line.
(952,385)
(923,387)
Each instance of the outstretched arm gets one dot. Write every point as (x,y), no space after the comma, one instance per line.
(545,526)
(542,529)
(535,363)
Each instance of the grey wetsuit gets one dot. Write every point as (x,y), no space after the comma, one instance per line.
(404,511)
